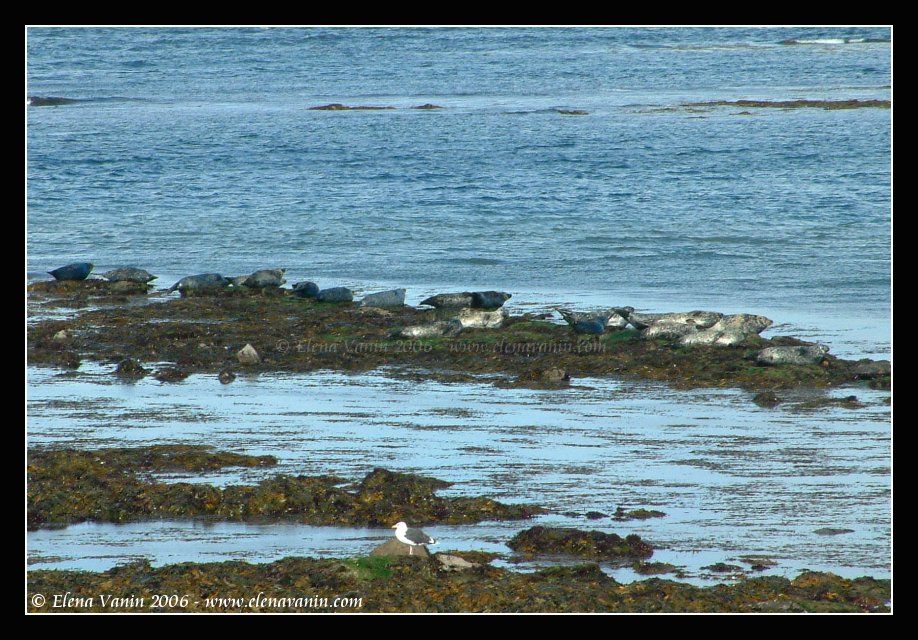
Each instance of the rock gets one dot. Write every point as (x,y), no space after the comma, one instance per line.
(454,563)
(392,298)
(226,376)
(573,112)
(265,279)
(337,106)
(428,106)
(127,286)
(50,101)
(554,374)
(832,531)
(444,328)
(61,336)
(595,515)
(766,399)
(729,330)
(867,369)
(721,567)
(129,274)
(306,289)
(482,319)
(130,368)
(75,271)
(592,544)
(171,374)
(248,355)
(393,547)
(335,294)
(805,354)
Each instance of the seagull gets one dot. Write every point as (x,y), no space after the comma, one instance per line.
(411,537)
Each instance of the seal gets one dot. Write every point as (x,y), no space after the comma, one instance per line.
(306,289)
(129,274)
(698,319)
(466,299)
(75,271)
(804,354)
(482,318)
(335,294)
(445,328)
(200,282)
(594,323)
(392,298)
(728,331)
(265,279)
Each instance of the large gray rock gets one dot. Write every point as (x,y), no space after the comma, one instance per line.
(872,368)
(392,298)
(728,331)
(335,294)
(248,355)
(805,354)
(393,547)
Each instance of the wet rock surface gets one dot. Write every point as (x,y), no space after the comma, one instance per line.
(67,486)
(387,584)
(574,542)
(300,335)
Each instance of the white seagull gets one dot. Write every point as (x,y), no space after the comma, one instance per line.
(412,537)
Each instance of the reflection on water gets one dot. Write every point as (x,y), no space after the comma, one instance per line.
(734,479)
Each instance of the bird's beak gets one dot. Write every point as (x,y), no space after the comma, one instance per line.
(395,526)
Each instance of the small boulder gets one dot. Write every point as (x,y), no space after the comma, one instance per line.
(393,547)
(248,355)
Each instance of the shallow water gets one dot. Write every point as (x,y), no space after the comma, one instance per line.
(193,150)
(733,479)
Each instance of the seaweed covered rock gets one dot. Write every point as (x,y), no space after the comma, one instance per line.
(587,544)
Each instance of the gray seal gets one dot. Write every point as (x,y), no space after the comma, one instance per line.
(482,318)
(75,271)
(445,328)
(200,282)
(489,299)
(129,274)
(728,331)
(804,354)
(698,319)
(265,279)
(306,289)
(594,323)
(449,300)
(393,298)
(335,294)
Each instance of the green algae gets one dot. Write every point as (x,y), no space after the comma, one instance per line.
(66,486)
(412,585)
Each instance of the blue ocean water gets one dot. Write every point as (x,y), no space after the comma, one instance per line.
(194,150)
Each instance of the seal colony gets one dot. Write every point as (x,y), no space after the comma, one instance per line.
(449,336)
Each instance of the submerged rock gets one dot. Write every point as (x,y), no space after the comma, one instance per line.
(130,368)
(807,354)
(591,544)
(766,399)
(392,298)
(869,369)
(226,376)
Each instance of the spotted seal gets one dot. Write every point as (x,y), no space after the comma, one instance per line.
(75,271)
(129,274)
(200,282)
(728,331)
(803,354)
(594,323)
(444,328)
(335,294)
(466,299)
(482,318)
(306,289)
(392,298)
(265,279)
